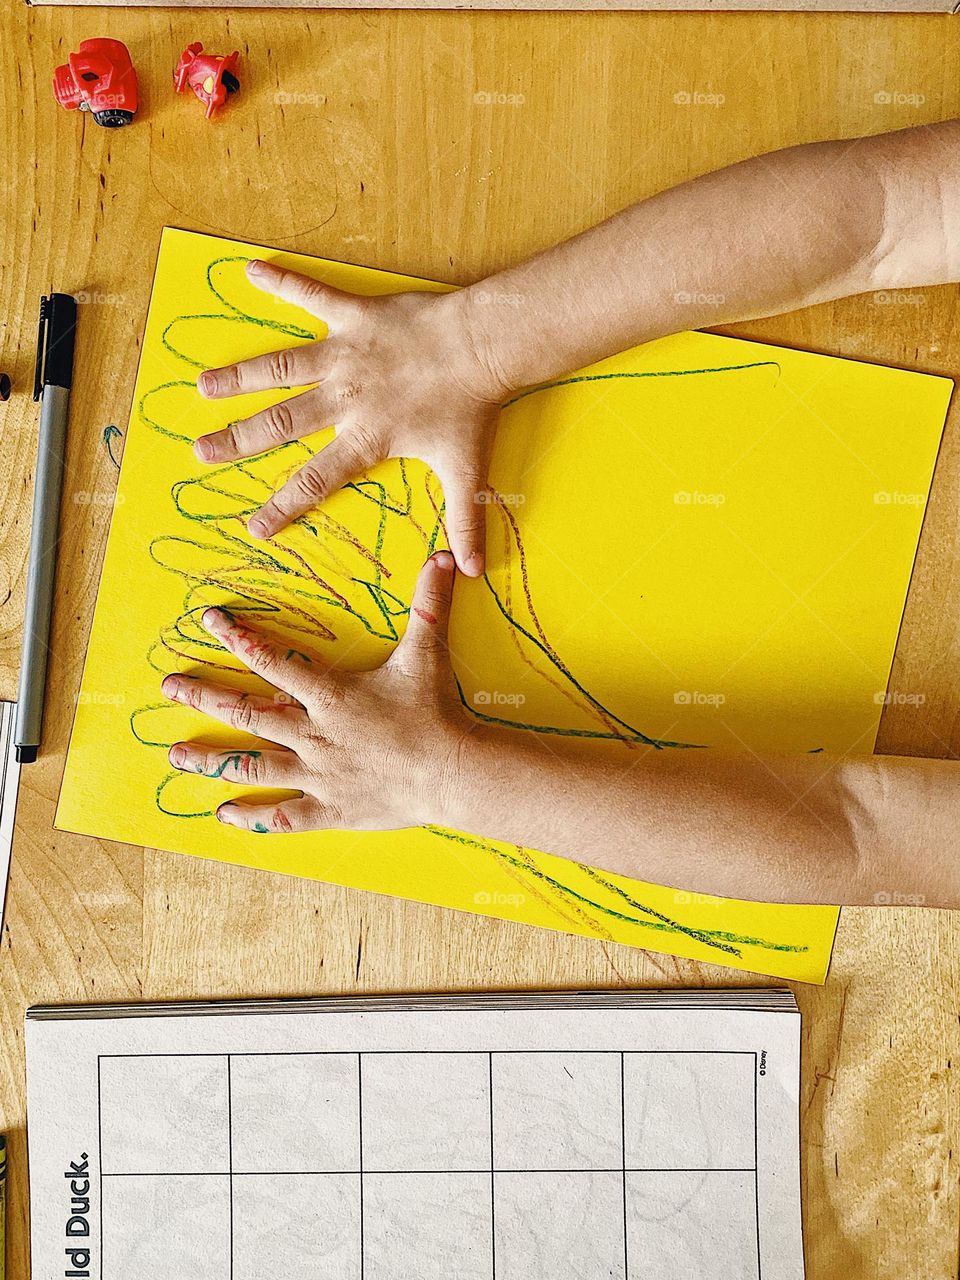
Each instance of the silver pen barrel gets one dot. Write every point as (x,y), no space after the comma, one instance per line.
(41,574)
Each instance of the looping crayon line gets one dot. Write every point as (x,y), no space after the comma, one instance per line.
(641,373)
(279,580)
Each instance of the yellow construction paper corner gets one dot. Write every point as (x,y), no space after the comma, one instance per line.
(702,541)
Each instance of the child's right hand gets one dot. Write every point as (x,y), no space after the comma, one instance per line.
(398,376)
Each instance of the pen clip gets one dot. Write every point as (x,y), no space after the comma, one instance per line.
(41,348)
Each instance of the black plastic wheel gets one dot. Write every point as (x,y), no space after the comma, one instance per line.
(114,118)
(230,82)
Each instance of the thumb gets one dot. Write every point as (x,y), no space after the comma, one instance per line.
(430,609)
(465,516)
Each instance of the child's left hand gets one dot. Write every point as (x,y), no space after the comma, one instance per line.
(368,750)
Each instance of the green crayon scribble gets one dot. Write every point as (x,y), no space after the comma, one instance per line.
(276,579)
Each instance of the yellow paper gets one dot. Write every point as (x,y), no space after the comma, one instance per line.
(702,541)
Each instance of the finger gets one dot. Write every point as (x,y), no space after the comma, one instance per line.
(289,420)
(334,307)
(288,367)
(430,609)
(264,717)
(288,669)
(279,769)
(346,456)
(465,508)
(305,814)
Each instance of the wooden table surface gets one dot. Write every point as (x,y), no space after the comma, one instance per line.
(358,135)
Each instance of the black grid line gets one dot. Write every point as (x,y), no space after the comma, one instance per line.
(360,1153)
(230,1153)
(447,1173)
(447,1053)
(623,1169)
(756,1158)
(623,1153)
(100,1162)
(493,1177)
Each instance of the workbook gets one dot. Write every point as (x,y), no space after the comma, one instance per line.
(574,1136)
(702,544)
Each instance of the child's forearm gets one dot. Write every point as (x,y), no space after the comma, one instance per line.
(771,234)
(778,829)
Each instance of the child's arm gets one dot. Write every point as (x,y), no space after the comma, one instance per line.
(394,748)
(421,375)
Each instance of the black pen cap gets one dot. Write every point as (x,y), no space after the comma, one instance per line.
(58,326)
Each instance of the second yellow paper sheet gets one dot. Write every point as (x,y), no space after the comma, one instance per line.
(701,541)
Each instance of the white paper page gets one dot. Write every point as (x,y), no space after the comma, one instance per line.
(475,1144)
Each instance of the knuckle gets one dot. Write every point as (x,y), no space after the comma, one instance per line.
(280,364)
(361,445)
(329,815)
(242,713)
(434,602)
(465,521)
(228,441)
(311,291)
(350,389)
(251,768)
(325,701)
(280,820)
(259,655)
(191,693)
(278,422)
(310,483)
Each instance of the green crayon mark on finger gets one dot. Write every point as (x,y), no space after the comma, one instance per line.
(234,760)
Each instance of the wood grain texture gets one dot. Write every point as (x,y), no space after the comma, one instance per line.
(715,6)
(357,135)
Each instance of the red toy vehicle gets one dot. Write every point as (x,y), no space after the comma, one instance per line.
(99,78)
(210,77)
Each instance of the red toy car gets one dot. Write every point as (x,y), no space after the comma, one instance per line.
(210,77)
(99,78)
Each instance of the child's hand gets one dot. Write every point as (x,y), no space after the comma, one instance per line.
(398,378)
(369,751)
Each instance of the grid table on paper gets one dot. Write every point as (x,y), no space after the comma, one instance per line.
(387,1165)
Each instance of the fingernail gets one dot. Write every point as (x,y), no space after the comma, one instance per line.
(257,527)
(177,755)
(212,618)
(443,560)
(255,266)
(207,382)
(223,814)
(170,686)
(473,565)
(203,448)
